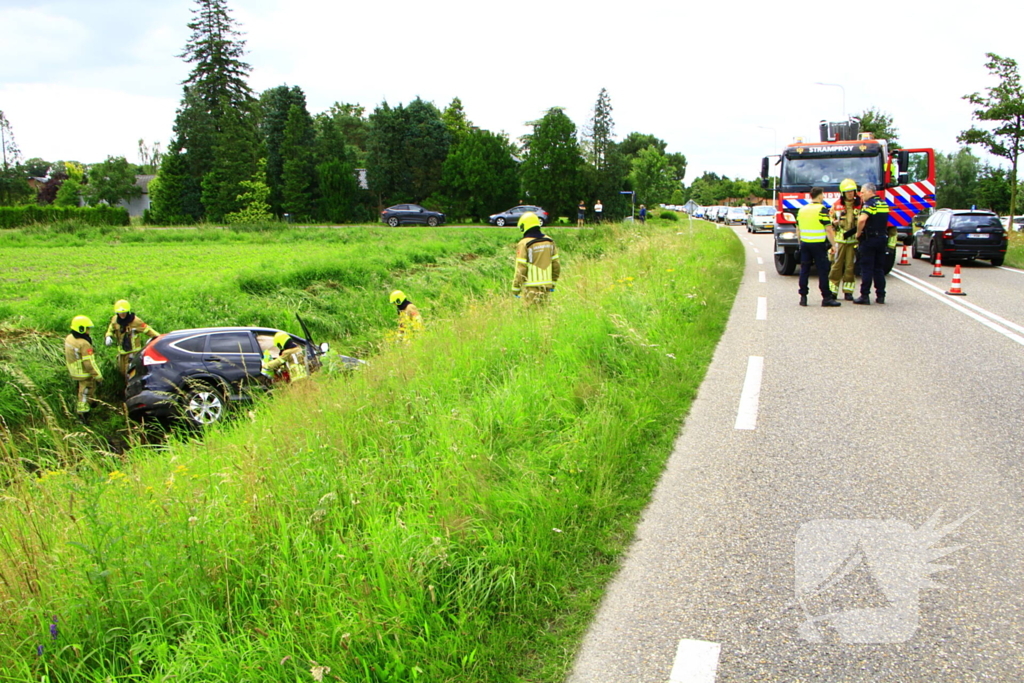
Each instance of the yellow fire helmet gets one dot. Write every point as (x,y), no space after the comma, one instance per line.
(280,339)
(80,324)
(122,306)
(397,297)
(528,220)
(848,185)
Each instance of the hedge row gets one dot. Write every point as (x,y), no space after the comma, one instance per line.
(15,216)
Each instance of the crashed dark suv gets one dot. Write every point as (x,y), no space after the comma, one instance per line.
(195,374)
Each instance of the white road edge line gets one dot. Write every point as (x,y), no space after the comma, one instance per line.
(762,308)
(957,305)
(974,307)
(696,662)
(746,415)
(1012,270)
(760,276)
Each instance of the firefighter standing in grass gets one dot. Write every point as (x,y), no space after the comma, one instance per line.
(127,329)
(537,267)
(290,364)
(81,361)
(410,322)
(844,214)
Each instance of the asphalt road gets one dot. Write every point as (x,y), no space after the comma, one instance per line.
(797,533)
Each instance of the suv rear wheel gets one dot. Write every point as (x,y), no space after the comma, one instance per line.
(202,404)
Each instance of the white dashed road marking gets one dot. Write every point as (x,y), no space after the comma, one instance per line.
(746,416)
(762,308)
(760,261)
(760,276)
(696,662)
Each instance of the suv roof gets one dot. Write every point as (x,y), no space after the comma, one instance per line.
(961,212)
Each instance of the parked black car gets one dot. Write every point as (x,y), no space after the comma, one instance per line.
(511,217)
(411,213)
(194,374)
(961,235)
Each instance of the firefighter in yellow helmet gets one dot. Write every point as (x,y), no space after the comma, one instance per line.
(290,363)
(81,361)
(844,212)
(410,322)
(127,329)
(537,266)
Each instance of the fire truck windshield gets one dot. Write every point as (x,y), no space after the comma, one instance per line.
(824,171)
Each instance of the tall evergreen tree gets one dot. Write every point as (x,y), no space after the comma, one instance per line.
(297,173)
(455,120)
(426,147)
(14,187)
(551,169)
(172,194)
(599,132)
(386,171)
(274,107)
(407,148)
(216,112)
(234,161)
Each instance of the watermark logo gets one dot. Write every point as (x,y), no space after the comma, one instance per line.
(873,570)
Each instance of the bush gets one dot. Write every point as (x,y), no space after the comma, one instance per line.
(668,216)
(16,216)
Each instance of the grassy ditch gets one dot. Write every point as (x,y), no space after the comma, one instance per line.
(449,513)
(337,279)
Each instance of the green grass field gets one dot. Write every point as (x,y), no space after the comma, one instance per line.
(1015,253)
(450,512)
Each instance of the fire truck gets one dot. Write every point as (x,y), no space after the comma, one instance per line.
(905,178)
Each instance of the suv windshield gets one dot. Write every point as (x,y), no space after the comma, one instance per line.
(825,170)
(969,222)
(764,211)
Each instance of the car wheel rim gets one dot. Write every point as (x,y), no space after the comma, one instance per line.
(205,407)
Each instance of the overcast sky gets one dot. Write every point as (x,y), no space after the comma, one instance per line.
(84,80)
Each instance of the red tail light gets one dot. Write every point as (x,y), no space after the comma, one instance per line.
(948,235)
(151,356)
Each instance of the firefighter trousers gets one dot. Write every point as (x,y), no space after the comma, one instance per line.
(535,296)
(86,391)
(842,267)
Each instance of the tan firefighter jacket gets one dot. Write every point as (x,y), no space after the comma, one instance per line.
(133,332)
(79,356)
(536,264)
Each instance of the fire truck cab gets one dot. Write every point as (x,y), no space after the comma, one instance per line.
(905,178)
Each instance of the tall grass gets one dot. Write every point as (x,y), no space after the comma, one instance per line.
(449,513)
(1015,251)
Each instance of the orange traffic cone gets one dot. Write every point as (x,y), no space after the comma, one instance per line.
(954,287)
(904,261)
(937,271)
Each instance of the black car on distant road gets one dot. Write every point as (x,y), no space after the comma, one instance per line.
(511,217)
(401,214)
(194,374)
(961,235)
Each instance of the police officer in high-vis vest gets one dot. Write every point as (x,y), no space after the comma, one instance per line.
(126,330)
(844,214)
(537,266)
(873,233)
(81,362)
(814,230)
(290,363)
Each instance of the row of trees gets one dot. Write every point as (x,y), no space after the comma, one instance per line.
(410,153)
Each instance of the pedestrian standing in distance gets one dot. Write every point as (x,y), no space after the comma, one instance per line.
(844,213)
(643,214)
(410,322)
(581,214)
(537,266)
(81,362)
(873,233)
(127,329)
(814,231)
(598,211)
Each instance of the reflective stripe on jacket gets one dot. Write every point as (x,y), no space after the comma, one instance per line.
(78,355)
(536,263)
(812,219)
(878,217)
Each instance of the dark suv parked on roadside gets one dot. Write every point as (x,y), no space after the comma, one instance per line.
(195,374)
(961,235)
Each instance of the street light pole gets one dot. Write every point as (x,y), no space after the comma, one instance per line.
(775,150)
(836,85)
